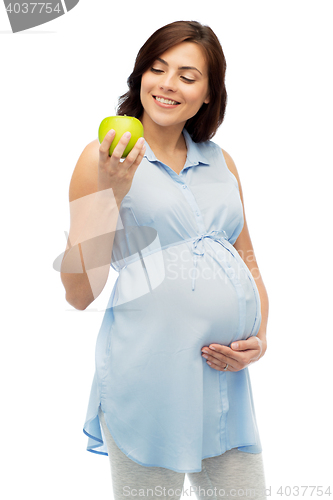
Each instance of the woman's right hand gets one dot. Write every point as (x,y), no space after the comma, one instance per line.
(116,174)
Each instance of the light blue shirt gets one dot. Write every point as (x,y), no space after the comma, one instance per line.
(181,286)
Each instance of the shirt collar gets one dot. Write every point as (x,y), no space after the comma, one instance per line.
(194,155)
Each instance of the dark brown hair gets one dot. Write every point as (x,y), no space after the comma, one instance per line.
(205,123)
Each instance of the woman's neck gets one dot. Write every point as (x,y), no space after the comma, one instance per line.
(168,140)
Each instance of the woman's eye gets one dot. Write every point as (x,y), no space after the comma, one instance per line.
(158,71)
(187,79)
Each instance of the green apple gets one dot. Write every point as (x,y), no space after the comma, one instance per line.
(121,124)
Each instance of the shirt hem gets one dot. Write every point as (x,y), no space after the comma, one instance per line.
(100,444)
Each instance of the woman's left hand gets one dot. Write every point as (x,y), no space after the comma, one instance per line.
(238,356)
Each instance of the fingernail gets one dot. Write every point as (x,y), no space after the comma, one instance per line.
(127,135)
(235,345)
(213,348)
(111,131)
(141,141)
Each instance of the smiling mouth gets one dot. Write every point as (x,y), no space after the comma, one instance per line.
(165,101)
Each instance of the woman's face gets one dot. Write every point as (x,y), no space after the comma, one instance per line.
(174,88)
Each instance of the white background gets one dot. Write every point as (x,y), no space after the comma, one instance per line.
(58,82)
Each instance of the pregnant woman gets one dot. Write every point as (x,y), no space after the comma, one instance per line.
(188,313)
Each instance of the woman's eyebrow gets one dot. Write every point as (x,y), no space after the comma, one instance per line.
(181,67)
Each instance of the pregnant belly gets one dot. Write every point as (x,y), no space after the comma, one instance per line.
(156,306)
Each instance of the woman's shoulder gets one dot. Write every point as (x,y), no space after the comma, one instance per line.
(213,148)
(229,161)
(231,166)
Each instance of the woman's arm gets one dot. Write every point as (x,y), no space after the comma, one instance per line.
(86,262)
(98,185)
(244,352)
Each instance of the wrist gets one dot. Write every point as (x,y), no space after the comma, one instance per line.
(263,345)
(262,334)
(109,190)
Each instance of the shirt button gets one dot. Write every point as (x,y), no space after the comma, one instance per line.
(184,186)
(197,213)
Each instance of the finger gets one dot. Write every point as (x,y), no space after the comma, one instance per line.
(228,356)
(244,345)
(220,349)
(233,364)
(259,344)
(120,148)
(218,357)
(135,156)
(138,160)
(106,144)
(238,360)
(220,366)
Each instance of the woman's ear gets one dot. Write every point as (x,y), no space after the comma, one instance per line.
(206,101)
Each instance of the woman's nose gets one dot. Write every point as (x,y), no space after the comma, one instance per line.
(168,83)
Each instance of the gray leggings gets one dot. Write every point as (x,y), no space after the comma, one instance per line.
(234,474)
